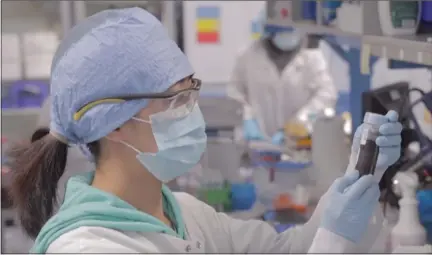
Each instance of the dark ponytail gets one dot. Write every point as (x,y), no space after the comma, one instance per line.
(36,169)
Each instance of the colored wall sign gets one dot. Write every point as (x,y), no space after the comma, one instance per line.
(208,24)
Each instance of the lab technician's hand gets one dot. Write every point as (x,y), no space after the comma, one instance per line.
(351,202)
(251,130)
(389,141)
(278,138)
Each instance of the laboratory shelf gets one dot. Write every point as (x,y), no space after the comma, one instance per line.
(415,49)
(20,112)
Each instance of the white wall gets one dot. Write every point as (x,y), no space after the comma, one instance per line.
(214,62)
(24,16)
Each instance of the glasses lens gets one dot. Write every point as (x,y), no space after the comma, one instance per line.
(177,106)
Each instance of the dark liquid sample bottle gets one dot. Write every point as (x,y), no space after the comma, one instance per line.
(368,153)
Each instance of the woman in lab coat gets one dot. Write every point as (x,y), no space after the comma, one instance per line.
(121,87)
(277,81)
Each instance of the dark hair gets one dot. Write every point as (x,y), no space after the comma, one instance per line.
(37,168)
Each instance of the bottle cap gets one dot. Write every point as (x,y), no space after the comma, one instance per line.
(375,119)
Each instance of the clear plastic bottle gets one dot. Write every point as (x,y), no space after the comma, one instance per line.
(369,150)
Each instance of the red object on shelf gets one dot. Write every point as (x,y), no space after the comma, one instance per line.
(284,12)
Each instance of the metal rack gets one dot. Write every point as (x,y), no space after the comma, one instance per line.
(416,49)
(361,51)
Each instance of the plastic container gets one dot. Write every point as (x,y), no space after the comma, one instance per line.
(277,181)
(243,196)
(399,17)
(426,10)
(408,231)
(7,102)
(309,10)
(329,9)
(27,94)
(369,150)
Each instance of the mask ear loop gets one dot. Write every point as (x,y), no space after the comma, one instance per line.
(141,120)
(125,144)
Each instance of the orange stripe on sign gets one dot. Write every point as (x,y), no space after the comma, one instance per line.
(208,37)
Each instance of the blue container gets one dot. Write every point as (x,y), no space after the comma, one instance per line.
(309,10)
(427,11)
(27,94)
(243,196)
(7,102)
(329,10)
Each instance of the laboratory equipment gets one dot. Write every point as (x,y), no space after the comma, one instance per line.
(220,112)
(391,97)
(308,8)
(399,17)
(279,177)
(328,164)
(329,9)
(408,231)
(426,11)
(368,153)
(424,197)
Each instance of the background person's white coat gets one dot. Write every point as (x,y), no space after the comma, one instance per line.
(273,98)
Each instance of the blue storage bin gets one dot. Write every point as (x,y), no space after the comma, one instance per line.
(309,10)
(7,102)
(27,94)
(427,11)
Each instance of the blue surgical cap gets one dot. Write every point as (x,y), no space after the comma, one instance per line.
(112,53)
(267,30)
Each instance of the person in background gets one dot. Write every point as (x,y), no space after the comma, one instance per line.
(279,81)
(123,89)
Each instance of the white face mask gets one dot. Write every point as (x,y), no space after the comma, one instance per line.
(181,141)
(286,41)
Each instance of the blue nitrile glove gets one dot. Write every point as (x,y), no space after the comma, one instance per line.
(389,141)
(251,130)
(350,205)
(278,138)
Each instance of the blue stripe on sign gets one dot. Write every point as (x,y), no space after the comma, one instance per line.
(208,12)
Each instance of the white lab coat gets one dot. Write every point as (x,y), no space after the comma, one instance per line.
(207,232)
(273,98)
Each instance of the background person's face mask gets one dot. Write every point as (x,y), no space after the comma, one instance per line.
(181,141)
(286,41)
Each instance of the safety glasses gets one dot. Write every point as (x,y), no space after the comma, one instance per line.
(160,102)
